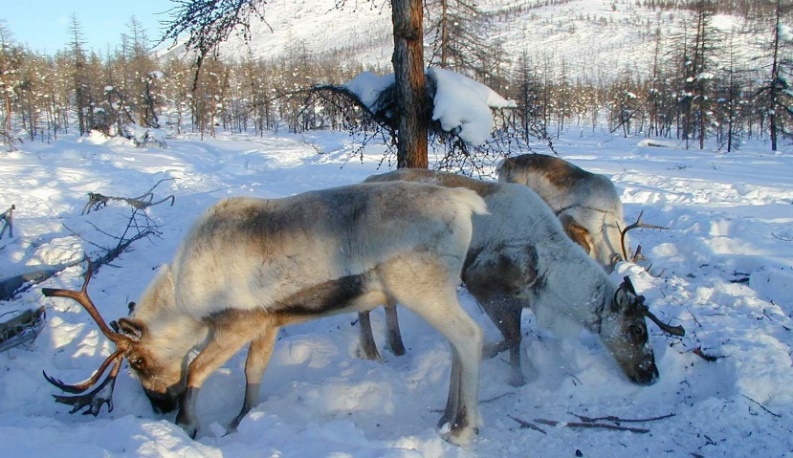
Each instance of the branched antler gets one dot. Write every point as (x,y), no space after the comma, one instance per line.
(673,330)
(637,255)
(103,394)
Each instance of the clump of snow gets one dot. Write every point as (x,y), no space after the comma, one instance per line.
(368,86)
(461,105)
(146,136)
(95,137)
(785,33)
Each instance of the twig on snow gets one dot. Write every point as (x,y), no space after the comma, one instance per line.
(709,358)
(590,425)
(143,201)
(526,424)
(618,420)
(762,406)
(495,398)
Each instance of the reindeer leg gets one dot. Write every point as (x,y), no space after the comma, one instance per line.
(394,335)
(219,350)
(259,355)
(506,317)
(440,308)
(461,414)
(368,345)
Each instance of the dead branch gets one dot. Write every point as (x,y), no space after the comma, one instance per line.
(495,398)
(141,202)
(113,253)
(762,406)
(133,231)
(595,425)
(618,420)
(709,358)
(22,328)
(97,201)
(11,286)
(7,218)
(526,424)
(591,425)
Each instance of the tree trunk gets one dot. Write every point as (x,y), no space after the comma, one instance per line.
(408,61)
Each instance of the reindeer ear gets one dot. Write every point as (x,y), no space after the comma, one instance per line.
(132,328)
(626,296)
(577,232)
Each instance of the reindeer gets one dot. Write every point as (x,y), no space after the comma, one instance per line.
(586,203)
(250,266)
(519,258)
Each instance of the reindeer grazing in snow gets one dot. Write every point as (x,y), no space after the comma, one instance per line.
(520,257)
(586,203)
(250,266)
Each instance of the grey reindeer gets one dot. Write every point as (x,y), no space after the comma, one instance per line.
(520,257)
(250,266)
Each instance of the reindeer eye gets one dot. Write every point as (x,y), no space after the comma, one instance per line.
(637,332)
(137,363)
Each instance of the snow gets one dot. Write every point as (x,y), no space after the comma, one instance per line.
(723,270)
(368,86)
(461,104)
(785,32)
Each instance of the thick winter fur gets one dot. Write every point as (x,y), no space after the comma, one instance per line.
(586,203)
(520,257)
(249,266)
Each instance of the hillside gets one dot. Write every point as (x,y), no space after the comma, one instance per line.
(594,39)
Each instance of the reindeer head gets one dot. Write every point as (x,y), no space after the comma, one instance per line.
(156,350)
(624,332)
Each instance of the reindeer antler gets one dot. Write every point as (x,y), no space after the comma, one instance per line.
(673,330)
(638,223)
(103,394)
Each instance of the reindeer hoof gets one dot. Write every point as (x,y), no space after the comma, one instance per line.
(398,349)
(190,427)
(491,350)
(190,430)
(459,429)
(517,380)
(460,436)
(365,353)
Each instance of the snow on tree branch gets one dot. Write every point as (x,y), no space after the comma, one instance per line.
(460,104)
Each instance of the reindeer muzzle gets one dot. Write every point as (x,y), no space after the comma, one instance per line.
(162,402)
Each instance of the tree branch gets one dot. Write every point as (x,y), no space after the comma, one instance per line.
(7,218)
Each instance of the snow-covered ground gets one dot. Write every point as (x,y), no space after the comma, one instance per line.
(723,269)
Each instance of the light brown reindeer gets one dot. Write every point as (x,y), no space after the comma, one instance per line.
(586,203)
(519,258)
(250,266)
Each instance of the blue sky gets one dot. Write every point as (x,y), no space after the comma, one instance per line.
(45,25)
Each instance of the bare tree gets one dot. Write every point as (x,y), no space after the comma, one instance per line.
(775,93)
(79,77)
(458,35)
(207,23)
(10,63)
